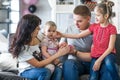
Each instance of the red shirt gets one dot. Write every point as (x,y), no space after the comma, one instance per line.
(101,37)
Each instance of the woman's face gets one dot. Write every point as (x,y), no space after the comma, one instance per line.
(35,32)
(81,22)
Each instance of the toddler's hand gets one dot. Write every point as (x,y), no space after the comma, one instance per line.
(71,48)
(63,50)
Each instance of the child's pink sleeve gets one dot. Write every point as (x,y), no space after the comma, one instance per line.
(113,30)
(91,27)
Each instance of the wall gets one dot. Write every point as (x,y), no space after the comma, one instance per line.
(43,10)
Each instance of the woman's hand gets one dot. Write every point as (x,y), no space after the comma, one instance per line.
(63,44)
(56,61)
(63,50)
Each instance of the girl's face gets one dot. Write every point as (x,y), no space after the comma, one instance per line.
(81,22)
(99,18)
(50,31)
(35,32)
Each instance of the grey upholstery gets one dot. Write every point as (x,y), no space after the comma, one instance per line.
(117,46)
(10,76)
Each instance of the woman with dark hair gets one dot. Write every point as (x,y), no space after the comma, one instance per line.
(25,44)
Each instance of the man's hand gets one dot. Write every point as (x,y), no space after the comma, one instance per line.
(57,34)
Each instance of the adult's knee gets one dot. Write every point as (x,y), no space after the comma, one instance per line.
(69,63)
(48,72)
(58,70)
(71,70)
(93,78)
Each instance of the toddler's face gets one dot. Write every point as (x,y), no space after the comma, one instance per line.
(49,31)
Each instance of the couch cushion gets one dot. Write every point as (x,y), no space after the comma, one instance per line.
(3,43)
(7,62)
(84,77)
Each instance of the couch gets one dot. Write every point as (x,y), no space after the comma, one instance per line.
(117,46)
(8,64)
(11,75)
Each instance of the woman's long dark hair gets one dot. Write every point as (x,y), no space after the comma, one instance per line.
(26,26)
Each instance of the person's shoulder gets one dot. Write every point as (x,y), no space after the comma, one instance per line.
(71,29)
(46,39)
(111,25)
(94,24)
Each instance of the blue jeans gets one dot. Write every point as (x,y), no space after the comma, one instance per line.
(37,74)
(73,69)
(107,71)
(57,74)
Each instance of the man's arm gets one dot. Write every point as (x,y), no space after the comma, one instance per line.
(85,56)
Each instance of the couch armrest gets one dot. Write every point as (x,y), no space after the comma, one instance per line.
(117,47)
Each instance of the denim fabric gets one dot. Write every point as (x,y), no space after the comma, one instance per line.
(37,74)
(57,74)
(107,71)
(73,69)
(94,75)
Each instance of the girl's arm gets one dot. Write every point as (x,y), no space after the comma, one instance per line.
(62,51)
(82,34)
(44,51)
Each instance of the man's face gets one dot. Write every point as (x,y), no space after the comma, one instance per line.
(81,22)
